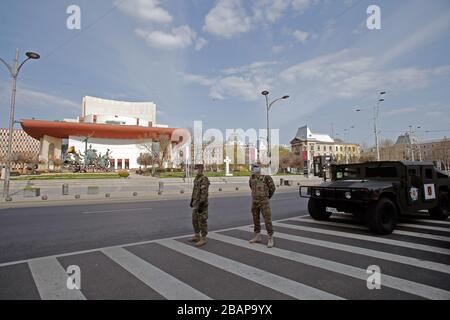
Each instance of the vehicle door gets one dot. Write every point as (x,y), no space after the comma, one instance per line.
(414,188)
(429,187)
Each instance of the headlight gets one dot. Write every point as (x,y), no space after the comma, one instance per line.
(318,193)
(348,195)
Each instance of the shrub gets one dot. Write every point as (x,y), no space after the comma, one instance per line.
(123,174)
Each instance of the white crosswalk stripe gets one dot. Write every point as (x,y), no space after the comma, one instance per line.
(50,279)
(399,232)
(389,281)
(275,282)
(405,244)
(367,252)
(160,281)
(429,221)
(410,225)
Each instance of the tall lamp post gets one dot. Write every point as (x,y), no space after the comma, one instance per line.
(268,106)
(347,137)
(14,72)
(376,111)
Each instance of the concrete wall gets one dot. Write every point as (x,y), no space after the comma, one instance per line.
(141,110)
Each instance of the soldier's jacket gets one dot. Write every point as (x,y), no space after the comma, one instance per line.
(262,187)
(200,191)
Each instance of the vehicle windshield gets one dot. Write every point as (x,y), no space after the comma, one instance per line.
(381,172)
(369,172)
(348,173)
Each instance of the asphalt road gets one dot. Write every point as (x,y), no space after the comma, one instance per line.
(42,231)
(140,251)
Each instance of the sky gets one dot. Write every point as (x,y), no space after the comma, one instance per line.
(209,61)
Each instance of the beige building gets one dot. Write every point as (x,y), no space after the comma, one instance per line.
(409,148)
(22,146)
(308,145)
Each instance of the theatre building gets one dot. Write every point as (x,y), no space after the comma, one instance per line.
(126,129)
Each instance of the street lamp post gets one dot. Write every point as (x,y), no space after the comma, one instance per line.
(376,111)
(268,106)
(14,72)
(347,137)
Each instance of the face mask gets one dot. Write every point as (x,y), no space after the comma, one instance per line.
(256,170)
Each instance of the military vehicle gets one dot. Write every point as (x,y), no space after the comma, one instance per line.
(379,192)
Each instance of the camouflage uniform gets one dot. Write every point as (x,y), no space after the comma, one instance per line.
(199,202)
(263,189)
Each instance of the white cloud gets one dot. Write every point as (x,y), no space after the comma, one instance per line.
(302,5)
(148,10)
(424,35)
(200,44)
(177,38)
(300,35)
(345,74)
(227,19)
(278,49)
(244,82)
(399,111)
(32,99)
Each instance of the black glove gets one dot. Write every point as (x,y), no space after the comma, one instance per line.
(192,203)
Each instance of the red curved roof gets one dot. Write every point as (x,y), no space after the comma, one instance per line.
(60,129)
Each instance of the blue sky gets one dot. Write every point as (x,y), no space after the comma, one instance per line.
(209,60)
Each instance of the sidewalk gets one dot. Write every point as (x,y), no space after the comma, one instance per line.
(136,189)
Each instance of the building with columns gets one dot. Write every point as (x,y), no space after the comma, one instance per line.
(125,129)
(308,145)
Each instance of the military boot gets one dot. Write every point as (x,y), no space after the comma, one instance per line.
(201,242)
(270,242)
(256,239)
(195,238)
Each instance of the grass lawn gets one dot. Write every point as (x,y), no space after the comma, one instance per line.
(208,174)
(63,176)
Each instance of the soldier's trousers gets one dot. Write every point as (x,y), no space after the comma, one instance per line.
(262,207)
(200,221)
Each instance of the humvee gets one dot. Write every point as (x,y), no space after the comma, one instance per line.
(379,192)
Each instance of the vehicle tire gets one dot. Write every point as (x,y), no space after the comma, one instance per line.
(382,216)
(441,212)
(317,210)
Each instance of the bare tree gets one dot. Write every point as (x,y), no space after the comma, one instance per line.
(146,159)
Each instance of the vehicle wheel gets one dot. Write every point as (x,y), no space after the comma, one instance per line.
(382,216)
(441,212)
(317,210)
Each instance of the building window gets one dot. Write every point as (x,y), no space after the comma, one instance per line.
(312,148)
(112,163)
(119,164)
(127,164)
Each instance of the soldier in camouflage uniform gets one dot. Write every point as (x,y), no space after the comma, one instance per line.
(199,203)
(263,188)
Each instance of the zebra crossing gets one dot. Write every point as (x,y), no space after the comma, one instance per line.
(319,260)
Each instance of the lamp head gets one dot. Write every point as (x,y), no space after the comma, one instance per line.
(32,55)
(265,93)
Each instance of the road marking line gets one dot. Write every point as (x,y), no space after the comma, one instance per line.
(50,279)
(166,285)
(354,272)
(399,232)
(398,243)
(409,225)
(270,280)
(118,210)
(366,252)
(5,264)
(430,221)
